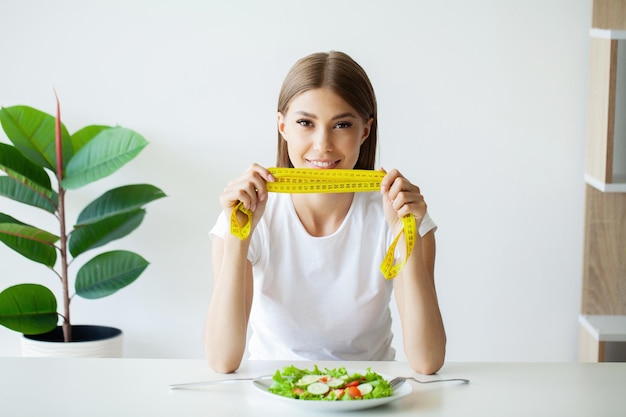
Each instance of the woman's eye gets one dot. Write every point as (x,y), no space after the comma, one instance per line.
(304,122)
(343,125)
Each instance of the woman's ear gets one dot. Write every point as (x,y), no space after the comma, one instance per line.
(281,125)
(367,129)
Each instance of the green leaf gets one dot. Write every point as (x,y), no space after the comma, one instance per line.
(35,244)
(28,309)
(17,191)
(24,171)
(119,200)
(108,273)
(33,133)
(84,135)
(94,235)
(108,151)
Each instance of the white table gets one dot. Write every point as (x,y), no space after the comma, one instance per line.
(139,387)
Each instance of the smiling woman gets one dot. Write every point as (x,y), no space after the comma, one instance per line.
(293,276)
(353,91)
(326,134)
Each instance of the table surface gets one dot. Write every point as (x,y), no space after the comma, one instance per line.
(140,387)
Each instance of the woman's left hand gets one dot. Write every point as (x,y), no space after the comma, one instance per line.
(401,197)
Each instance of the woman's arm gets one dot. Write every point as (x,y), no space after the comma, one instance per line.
(422,326)
(423,332)
(231,300)
(229,309)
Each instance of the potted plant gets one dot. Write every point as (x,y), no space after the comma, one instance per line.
(43,154)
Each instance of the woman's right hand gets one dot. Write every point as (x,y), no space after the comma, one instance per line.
(249,188)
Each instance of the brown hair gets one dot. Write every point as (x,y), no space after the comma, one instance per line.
(346,78)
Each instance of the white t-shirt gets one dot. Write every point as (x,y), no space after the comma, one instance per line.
(320,298)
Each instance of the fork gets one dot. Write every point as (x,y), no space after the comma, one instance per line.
(191,385)
(399,380)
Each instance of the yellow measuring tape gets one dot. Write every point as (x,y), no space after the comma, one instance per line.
(309,180)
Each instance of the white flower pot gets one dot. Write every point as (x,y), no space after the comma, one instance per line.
(88,342)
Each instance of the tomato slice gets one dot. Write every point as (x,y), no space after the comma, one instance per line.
(354,392)
(339,393)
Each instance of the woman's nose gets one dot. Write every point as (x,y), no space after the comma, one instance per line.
(322,141)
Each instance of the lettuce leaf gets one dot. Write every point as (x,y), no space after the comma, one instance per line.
(286,383)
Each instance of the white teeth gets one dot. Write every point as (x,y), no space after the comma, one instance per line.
(321,164)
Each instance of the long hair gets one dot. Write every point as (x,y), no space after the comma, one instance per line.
(346,78)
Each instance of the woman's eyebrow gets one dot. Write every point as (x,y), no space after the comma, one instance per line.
(305,114)
(339,116)
(344,115)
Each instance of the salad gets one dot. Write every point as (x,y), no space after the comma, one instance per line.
(329,384)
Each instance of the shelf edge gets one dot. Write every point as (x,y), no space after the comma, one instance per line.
(607,33)
(617,187)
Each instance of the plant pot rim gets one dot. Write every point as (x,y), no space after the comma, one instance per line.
(80,333)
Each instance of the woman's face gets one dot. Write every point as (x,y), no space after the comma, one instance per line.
(322,131)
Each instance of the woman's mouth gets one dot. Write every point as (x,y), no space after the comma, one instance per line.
(321,164)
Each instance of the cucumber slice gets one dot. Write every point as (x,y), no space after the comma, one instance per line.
(307,380)
(318,388)
(365,388)
(335,382)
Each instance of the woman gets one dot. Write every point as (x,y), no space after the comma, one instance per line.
(307,278)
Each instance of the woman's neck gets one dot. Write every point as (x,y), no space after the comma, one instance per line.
(322,214)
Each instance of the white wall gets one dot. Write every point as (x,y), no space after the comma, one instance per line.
(482,104)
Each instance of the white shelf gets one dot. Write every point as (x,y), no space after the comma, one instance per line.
(605,328)
(607,33)
(615,187)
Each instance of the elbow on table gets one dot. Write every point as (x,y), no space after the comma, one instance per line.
(221,359)
(426,367)
(427,364)
(222,362)
(223,366)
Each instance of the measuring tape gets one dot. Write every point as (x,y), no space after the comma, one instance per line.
(310,181)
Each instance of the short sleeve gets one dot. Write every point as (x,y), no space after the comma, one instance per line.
(427,225)
(221,227)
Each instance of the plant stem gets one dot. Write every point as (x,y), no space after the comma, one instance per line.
(67,327)
(58,141)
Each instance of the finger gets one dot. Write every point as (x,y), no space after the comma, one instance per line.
(261,176)
(388,179)
(230,198)
(417,208)
(401,185)
(249,188)
(262,172)
(405,197)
